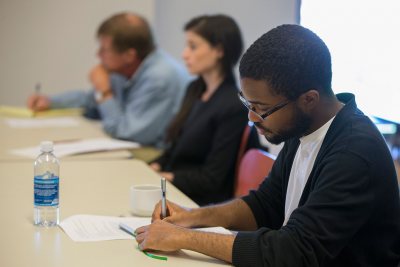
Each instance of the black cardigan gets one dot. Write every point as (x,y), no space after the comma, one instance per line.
(204,156)
(349,212)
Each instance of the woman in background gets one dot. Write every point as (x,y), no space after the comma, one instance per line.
(204,136)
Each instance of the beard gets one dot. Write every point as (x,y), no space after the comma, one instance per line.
(300,124)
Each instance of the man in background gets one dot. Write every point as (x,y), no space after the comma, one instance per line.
(137,87)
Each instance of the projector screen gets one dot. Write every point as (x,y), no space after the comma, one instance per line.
(363,37)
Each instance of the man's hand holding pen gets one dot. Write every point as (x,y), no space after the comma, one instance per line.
(167,229)
(165,234)
(38,101)
(161,235)
(175,214)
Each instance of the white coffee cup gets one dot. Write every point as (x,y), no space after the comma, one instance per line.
(143,199)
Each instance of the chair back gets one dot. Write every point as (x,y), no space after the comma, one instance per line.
(243,145)
(253,168)
(248,140)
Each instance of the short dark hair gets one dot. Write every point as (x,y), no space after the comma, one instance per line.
(291,59)
(128,31)
(220,30)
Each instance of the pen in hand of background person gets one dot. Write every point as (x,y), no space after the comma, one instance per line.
(37,101)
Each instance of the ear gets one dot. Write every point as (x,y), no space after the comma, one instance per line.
(130,55)
(220,51)
(309,100)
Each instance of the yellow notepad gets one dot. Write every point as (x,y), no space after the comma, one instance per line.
(14,111)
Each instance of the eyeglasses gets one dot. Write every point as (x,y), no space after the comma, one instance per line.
(263,116)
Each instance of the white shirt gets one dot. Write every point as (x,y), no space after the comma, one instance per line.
(302,165)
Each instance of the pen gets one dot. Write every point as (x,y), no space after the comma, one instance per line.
(163,198)
(37,89)
(127,229)
(37,93)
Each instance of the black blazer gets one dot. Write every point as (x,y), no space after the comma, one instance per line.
(204,156)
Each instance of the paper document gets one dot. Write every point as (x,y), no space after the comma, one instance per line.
(78,147)
(83,228)
(62,122)
(15,111)
(130,226)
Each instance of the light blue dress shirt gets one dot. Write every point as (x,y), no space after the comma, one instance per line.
(142,106)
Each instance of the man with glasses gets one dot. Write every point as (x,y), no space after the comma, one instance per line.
(331,198)
(265,114)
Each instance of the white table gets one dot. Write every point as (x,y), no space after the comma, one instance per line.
(15,138)
(86,187)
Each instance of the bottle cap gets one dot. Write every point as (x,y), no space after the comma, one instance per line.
(46,146)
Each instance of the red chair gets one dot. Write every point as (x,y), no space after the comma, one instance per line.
(254,167)
(243,145)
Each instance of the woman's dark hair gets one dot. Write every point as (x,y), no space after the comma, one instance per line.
(291,59)
(219,31)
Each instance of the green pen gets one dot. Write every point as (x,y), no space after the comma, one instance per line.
(132,232)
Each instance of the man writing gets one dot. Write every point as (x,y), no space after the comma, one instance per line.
(331,198)
(137,88)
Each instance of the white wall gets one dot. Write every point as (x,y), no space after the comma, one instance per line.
(53,41)
(254,17)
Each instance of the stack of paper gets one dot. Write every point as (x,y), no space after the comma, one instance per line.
(25,112)
(61,122)
(78,147)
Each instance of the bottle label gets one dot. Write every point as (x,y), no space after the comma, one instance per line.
(46,191)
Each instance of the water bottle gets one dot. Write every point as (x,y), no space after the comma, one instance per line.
(46,210)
